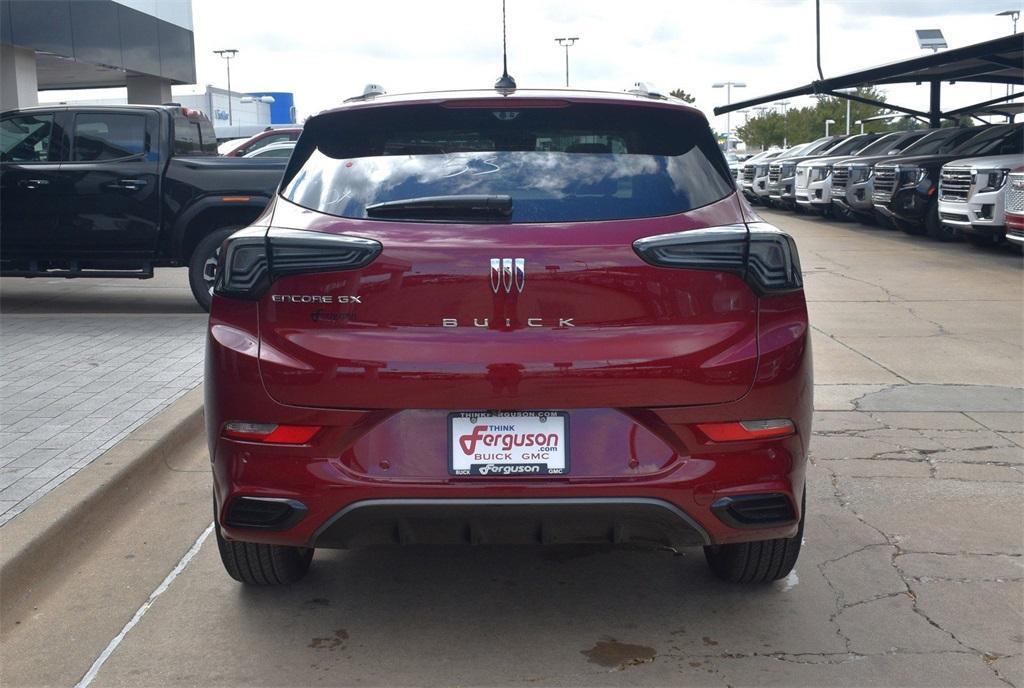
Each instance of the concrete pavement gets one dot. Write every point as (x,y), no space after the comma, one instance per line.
(912,572)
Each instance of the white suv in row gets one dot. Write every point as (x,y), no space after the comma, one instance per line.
(972,196)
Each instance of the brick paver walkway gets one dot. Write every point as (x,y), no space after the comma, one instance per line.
(73,385)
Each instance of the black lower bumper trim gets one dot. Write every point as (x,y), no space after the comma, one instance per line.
(264,513)
(755,511)
(509,521)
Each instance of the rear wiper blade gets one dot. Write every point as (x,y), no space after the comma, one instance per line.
(445,207)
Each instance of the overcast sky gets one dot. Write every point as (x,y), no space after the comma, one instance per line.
(327,50)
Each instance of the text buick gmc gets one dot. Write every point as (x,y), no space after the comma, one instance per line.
(482,317)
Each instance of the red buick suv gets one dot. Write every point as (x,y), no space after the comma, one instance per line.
(490,317)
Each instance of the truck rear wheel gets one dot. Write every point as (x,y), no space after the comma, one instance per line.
(202,266)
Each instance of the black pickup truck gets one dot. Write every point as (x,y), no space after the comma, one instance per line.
(94,191)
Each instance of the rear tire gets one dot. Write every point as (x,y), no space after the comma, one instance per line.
(762,561)
(202,265)
(257,564)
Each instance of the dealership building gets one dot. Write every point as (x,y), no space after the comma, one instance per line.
(144,45)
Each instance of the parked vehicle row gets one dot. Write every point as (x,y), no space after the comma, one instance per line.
(945,183)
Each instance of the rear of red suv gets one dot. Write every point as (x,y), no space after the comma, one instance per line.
(475,317)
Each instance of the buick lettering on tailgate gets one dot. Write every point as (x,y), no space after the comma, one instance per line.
(513,443)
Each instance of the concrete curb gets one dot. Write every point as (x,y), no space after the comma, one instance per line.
(41,543)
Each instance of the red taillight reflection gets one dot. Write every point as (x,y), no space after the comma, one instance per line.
(744,431)
(270,433)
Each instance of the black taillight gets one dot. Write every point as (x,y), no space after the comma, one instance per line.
(252,259)
(765,257)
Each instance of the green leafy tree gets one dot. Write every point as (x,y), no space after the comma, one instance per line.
(682,95)
(808,123)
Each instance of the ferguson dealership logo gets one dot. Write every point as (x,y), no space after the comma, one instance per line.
(504,438)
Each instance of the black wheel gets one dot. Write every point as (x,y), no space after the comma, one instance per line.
(762,561)
(256,564)
(982,240)
(934,227)
(202,266)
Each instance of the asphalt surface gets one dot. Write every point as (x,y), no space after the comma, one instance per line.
(911,575)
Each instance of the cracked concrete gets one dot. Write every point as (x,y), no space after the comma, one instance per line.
(912,571)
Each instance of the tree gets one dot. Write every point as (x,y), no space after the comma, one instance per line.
(808,123)
(682,95)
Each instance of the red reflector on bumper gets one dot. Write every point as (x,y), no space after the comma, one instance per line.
(270,433)
(744,431)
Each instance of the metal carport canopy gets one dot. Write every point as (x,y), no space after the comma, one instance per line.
(999,61)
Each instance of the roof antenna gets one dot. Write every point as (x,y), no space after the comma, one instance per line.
(505,83)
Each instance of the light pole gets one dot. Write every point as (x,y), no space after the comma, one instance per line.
(567,42)
(1012,14)
(828,122)
(785,123)
(728,86)
(227,54)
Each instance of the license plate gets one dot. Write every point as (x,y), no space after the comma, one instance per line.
(508,443)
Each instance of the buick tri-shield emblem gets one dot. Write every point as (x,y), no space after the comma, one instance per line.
(506,272)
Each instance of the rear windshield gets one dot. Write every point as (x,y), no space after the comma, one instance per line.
(575,162)
(194,136)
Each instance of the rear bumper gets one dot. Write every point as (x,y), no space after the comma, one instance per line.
(636,473)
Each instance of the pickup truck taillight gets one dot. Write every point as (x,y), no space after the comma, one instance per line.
(252,259)
(765,257)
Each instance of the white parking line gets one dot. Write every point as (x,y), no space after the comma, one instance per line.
(112,645)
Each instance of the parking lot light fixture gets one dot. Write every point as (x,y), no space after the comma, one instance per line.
(227,54)
(828,122)
(728,86)
(1012,14)
(567,42)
